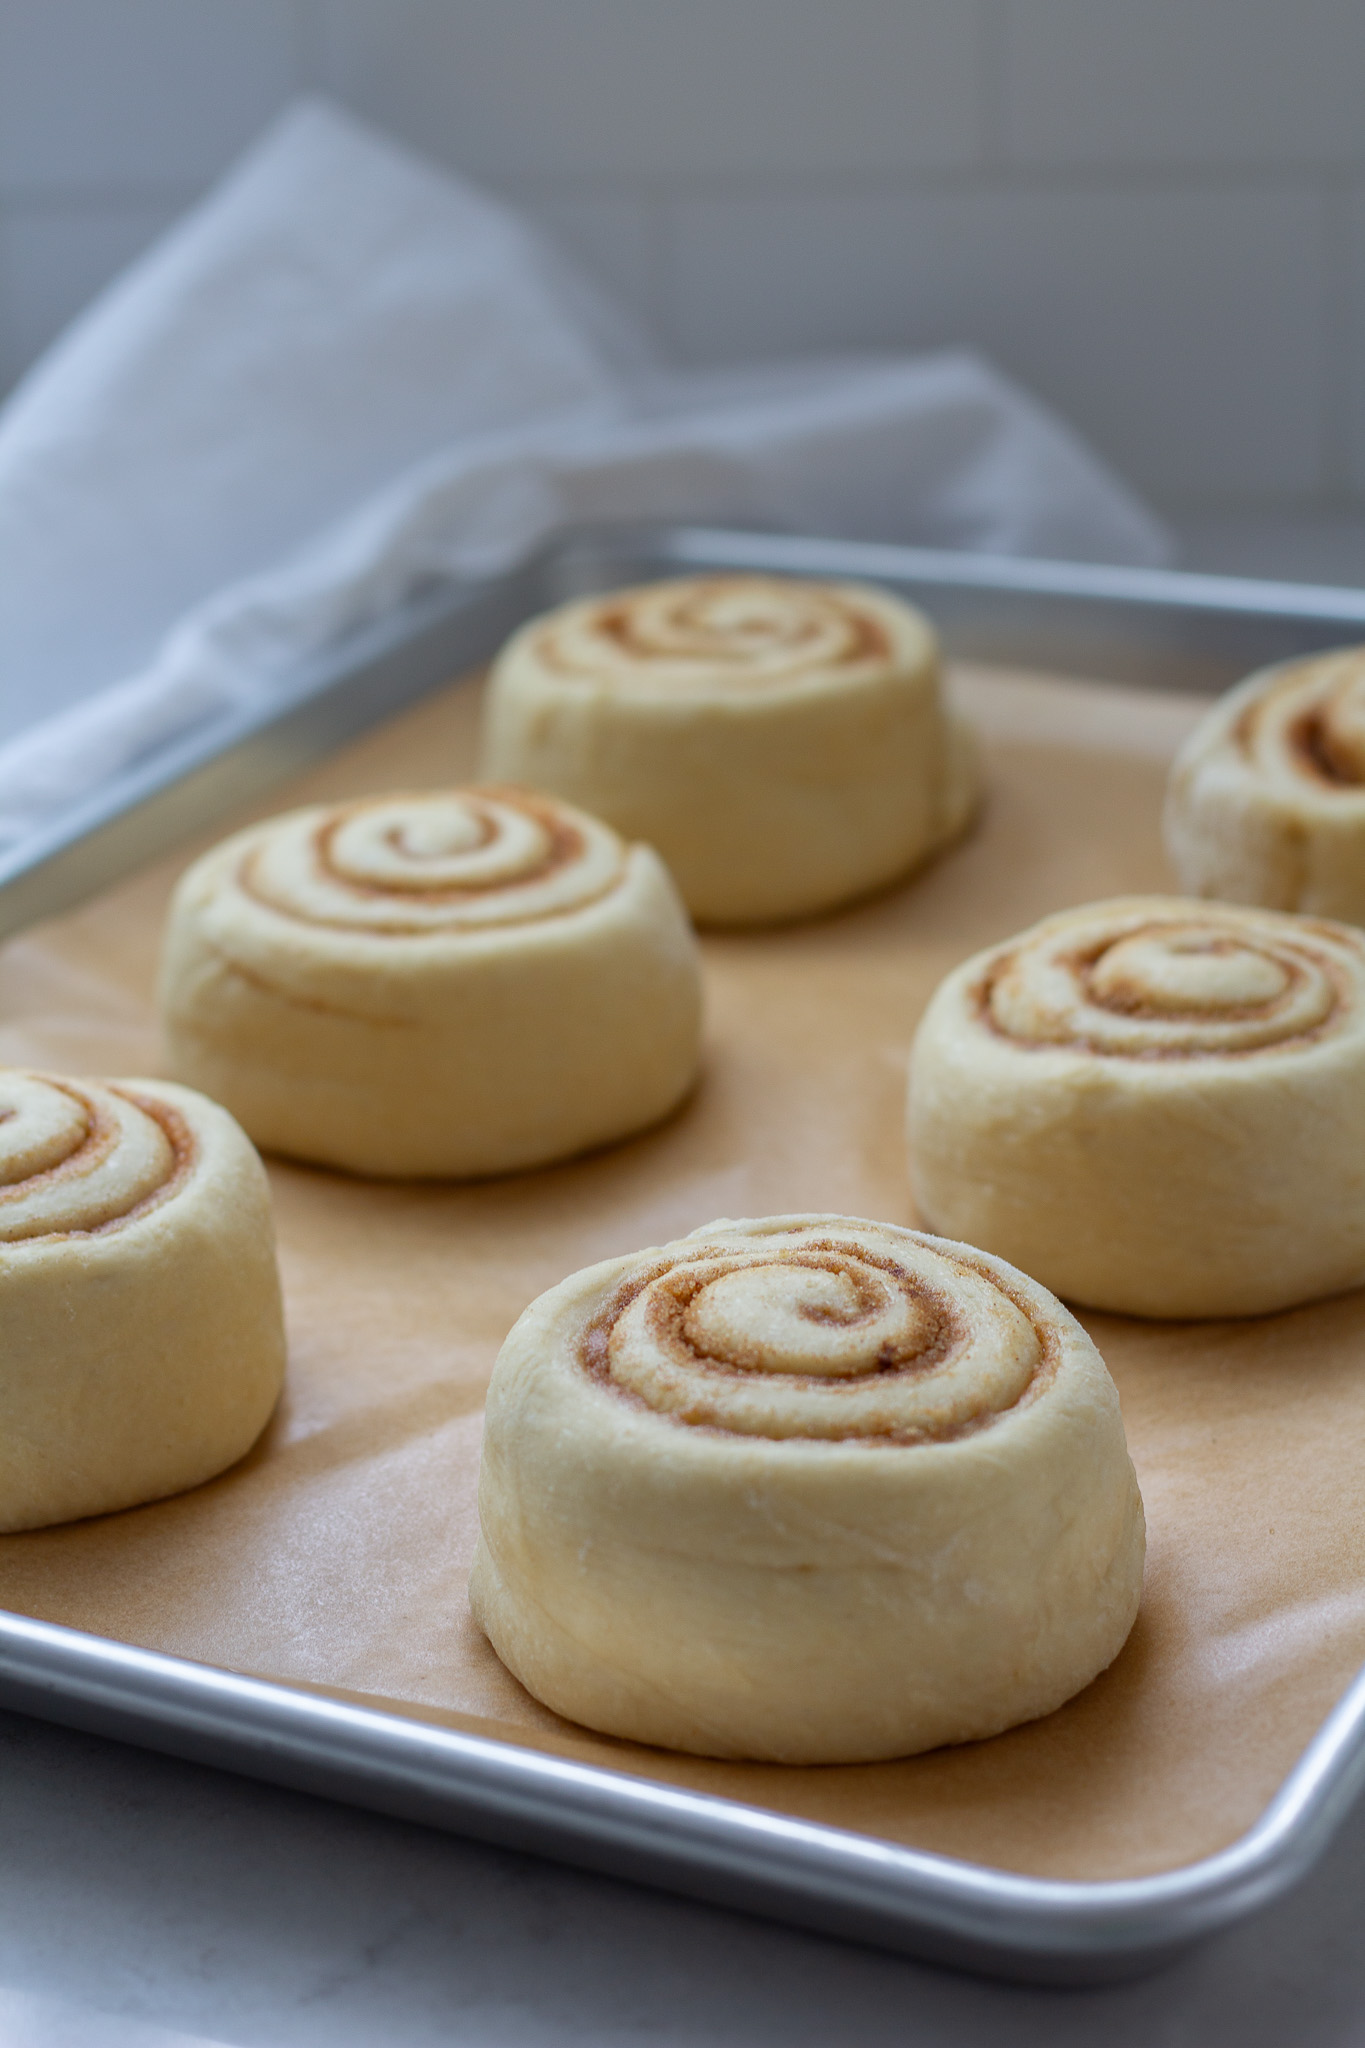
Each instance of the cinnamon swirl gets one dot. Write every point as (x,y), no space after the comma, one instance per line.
(454,983)
(806,1490)
(783,744)
(143,1334)
(1267,798)
(1154,1105)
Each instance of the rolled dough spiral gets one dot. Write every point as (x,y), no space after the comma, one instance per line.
(1154,1105)
(459,982)
(1267,799)
(806,1489)
(783,744)
(143,1334)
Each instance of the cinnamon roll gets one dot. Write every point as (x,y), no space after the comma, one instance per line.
(1267,797)
(143,1335)
(461,982)
(784,745)
(1153,1105)
(804,1490)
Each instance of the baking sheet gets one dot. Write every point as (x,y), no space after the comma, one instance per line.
(335,1555)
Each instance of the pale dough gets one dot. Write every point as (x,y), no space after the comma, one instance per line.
(143,1334)
(807,1490)
(1267,799)
(1154,1105)
(783,744)
(460,982)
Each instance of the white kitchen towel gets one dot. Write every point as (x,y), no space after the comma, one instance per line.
(346,374)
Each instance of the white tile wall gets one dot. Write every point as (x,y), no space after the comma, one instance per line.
(98,94)
(1146,316)
(1153,211)
(660,89)
(1173,83)
(1304,547)
(617,241)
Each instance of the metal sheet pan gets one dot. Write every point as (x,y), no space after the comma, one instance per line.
(1180,631)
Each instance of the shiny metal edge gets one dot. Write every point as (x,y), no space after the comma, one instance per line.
(827,1879)
(1163,628)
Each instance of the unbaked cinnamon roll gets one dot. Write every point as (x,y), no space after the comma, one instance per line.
(143,1346)
(783,744)
(805,1490)
(1267,798)
(460,982)
(1153,1105)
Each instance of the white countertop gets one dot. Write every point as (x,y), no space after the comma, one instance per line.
(146,1903)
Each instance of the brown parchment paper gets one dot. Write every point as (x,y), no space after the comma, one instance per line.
(335,1555)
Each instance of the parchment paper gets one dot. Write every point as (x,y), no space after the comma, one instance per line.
(335,1554)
